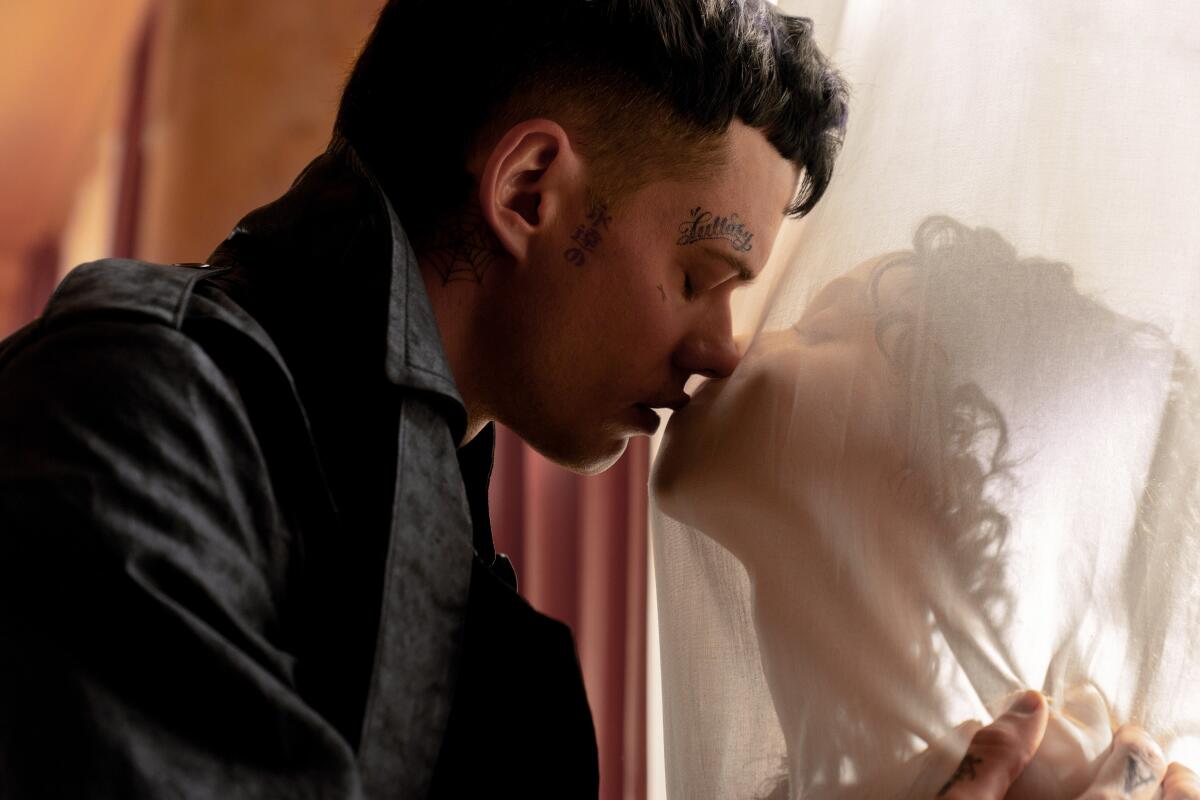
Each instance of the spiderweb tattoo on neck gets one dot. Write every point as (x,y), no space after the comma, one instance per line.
(463,248)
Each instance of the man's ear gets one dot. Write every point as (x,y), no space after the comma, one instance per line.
(524,181)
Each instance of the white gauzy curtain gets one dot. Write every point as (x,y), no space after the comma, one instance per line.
(962,455)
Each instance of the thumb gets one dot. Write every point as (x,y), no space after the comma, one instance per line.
(998,752)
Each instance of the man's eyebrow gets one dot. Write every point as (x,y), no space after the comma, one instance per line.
(737,264)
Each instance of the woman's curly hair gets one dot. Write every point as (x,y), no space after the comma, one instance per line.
(951,320)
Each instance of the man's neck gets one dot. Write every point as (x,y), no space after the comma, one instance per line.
(454,309)
(455,261)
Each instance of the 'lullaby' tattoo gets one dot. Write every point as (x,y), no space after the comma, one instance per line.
(703,225)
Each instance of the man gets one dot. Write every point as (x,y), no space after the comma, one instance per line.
(244,545)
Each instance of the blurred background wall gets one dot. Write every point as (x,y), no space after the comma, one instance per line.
(61,87)
(147,128)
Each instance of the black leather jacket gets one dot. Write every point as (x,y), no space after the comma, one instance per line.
(240,555)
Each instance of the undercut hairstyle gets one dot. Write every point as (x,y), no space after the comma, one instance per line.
(644,88)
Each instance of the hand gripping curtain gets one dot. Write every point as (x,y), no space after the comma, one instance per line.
(961,457)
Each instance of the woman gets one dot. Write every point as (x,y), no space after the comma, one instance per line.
(888,472)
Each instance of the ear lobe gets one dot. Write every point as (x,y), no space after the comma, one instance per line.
(519,186)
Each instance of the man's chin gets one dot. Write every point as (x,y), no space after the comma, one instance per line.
(589,458)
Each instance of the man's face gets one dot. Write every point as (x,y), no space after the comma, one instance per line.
(619,306)
(802,443)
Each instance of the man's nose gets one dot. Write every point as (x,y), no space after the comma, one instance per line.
(714,355)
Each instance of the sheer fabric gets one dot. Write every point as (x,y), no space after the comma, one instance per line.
(962,455)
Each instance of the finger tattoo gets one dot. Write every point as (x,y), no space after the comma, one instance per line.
(965,771)
(1136,773)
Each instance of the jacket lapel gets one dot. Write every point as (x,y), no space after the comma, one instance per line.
(427,572)
(424,609)
(429,557)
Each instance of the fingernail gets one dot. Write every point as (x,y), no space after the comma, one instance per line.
(1027,704)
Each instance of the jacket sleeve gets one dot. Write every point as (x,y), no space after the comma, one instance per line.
(144,645)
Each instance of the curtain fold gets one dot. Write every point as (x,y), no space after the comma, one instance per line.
(579,547)
(960,457)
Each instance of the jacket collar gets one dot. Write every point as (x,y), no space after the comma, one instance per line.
(332,207)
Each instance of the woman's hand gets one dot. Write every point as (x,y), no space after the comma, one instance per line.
(1180,783)
(998,752)
(1134,767)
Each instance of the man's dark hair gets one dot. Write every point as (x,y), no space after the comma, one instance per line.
(645,89)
